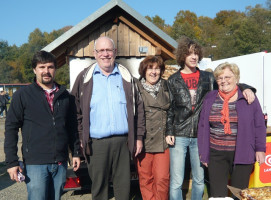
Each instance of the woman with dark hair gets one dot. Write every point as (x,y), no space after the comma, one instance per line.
(153,163)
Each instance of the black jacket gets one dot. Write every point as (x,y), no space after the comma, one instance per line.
(182,120)
(45,135)
(3,100)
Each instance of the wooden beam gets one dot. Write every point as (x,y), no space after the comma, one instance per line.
(151,40)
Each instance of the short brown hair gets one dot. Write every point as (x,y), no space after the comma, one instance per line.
(43,57)
(148,62)
(184,50)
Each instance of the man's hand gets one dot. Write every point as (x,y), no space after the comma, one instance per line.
(76,163)
(249,95)
(13,173)
(170,140)
(139,147)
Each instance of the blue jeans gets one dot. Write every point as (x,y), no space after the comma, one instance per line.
(177,168)
(45,182)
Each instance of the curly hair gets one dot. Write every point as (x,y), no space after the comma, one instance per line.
(185,47)
(148,62)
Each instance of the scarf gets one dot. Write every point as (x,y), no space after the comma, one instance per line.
(225,119)
(151,89)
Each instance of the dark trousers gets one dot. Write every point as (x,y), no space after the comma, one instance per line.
(110,156)
(2,109)
(221,167)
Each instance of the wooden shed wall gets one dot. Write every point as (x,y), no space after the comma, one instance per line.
(127,41)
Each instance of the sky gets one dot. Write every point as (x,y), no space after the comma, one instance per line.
(18,18)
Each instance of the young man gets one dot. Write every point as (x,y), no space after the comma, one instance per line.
(46,114)
(110,114)
(188,86)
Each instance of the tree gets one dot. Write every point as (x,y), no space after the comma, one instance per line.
(63,75)
(160,23)
(226,17)
(260,18)
(3,49)
(5,72)
(185,24)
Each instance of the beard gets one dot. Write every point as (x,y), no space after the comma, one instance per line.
(47,81)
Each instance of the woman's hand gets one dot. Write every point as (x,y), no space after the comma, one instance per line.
(139,147)
(249,95)
(260,157)
(205,164)
(170,140)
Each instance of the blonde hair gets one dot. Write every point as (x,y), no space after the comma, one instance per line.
(231,66)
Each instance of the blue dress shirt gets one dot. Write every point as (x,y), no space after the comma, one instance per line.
(108,111)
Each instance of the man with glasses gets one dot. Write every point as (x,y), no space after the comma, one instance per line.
(110,115)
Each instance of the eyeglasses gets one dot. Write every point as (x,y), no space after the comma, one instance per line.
(154,69)
(101,51)
(226,78)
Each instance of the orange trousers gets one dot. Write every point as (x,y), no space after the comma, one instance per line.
(153,172)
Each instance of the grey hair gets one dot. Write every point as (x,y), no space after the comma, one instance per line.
(231,66)
(106,38)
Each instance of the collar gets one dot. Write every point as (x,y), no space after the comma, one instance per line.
(49,90)
(97,70)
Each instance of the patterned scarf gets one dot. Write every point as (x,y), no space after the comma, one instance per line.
(225,119)
(151,89)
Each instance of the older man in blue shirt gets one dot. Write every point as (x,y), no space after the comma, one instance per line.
(110,116)
(108,103)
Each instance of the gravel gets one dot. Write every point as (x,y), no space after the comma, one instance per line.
(10,190)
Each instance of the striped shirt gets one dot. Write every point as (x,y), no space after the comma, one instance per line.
(218,139)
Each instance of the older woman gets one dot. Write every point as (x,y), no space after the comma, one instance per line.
(153,163)
(231,133)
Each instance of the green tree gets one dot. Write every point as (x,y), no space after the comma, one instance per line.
(260,19)
(63,75)
(185,23)
(160,23)
(5,72)
(3,49)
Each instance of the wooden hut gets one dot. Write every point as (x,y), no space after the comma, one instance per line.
(135,37)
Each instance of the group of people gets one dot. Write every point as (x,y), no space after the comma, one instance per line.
(110,116)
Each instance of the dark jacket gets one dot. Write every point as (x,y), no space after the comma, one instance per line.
(156,117)
(82,91)
(45,135)
(4,100)
(182,120)
(251,131)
